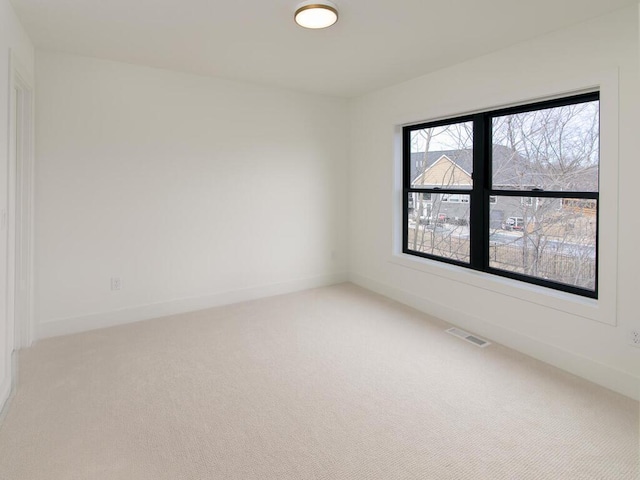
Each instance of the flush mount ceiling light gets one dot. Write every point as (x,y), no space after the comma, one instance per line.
(316,14)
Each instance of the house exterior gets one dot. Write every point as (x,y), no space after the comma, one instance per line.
(453,169)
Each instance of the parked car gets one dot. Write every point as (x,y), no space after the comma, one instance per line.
(513,223)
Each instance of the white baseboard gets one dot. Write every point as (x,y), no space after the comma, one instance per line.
(66,326)
(579,365)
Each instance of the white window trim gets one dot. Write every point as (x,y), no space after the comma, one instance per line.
(603,309)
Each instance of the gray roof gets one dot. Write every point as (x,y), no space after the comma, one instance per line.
(508,165)
(510,169)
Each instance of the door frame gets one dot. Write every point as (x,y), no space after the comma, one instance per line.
(18,217)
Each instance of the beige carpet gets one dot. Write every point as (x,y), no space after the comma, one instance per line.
(332,383)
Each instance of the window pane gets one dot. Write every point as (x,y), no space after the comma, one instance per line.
(439,227)
(548,238)
(552,149)
(442,156)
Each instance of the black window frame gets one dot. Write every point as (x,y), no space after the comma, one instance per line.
(482,190)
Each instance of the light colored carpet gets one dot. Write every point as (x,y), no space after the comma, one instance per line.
(332,383)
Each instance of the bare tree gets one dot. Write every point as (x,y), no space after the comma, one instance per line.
(555,149)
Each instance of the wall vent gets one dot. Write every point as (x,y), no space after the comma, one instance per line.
(477,341)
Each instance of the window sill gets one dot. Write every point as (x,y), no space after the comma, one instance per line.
(599,310)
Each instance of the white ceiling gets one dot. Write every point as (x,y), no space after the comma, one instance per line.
(375,43)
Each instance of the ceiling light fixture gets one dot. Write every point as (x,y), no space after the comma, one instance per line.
(316,14)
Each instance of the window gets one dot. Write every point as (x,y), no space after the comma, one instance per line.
(455,198)
(512,192)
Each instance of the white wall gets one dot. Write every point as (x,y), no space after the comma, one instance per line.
(14,38)
(194,191)
(605,48)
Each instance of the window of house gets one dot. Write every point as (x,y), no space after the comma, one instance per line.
(455,198)
(513,192)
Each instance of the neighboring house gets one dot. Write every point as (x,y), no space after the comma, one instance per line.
(444,172)
(453,169)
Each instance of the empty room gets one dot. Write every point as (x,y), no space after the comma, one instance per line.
(322,240)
